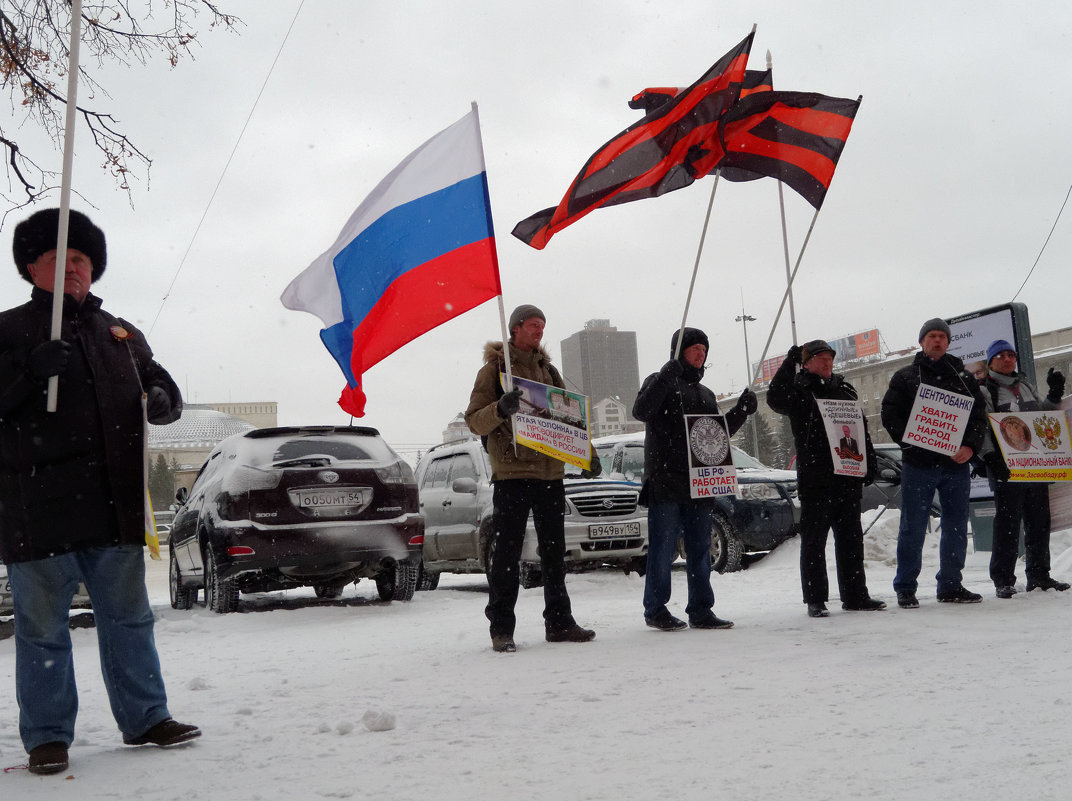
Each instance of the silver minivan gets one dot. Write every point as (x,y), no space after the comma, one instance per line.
(604,525)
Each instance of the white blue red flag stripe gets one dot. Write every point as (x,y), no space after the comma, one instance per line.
(418,251)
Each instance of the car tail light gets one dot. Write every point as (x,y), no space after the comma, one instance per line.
(397,473)
(240,550)
(233,505)
(417,539)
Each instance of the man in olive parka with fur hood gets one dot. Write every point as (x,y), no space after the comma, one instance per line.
(524,480)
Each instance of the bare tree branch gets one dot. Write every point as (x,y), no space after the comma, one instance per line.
(34,59)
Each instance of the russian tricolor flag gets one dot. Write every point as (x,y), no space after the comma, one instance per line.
(418,251)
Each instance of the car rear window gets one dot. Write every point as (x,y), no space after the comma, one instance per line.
(343,448)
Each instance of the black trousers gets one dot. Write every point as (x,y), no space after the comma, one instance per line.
(822,509)
(1016,502)
(512,500)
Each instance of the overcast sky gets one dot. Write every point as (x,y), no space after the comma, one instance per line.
(955,170)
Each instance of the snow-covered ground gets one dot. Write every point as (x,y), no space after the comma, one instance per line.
(942,702)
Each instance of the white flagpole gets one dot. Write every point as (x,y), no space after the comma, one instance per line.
(502,311)
(65,191)
(696,265)
(786,294)
(785,242)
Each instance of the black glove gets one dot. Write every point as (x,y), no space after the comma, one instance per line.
(795,354)
(594,470)
(748,402)
(509,403)
(996,467)
(1056,381)
(671,370)
(49,359)
(157,404)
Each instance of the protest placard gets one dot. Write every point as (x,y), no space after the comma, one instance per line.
(844,423)
(1035,445)
(711,470)
(937,420)
(553,421)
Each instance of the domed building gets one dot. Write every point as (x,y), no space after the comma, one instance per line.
(188,441)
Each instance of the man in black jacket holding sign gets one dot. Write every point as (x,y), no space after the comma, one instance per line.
(1006,390)
(827,499)
(673,514)
(925,471)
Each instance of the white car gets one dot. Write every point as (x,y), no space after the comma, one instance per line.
(604,525)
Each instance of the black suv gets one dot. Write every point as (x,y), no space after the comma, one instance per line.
(765,513)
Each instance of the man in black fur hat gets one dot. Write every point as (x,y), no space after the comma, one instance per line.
(664,400)
(72,502)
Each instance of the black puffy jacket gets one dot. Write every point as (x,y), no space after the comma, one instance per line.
(947,373)
(794,396)
(662,404)
(73,478)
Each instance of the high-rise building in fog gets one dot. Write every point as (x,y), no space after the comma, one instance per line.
(601,362)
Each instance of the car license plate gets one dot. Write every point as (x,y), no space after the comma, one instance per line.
(602,531)
(332,498)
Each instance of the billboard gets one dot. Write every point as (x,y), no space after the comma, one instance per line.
(854,346)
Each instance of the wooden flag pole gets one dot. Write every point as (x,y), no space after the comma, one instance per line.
(65,192)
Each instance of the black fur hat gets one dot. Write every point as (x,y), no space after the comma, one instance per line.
(37,235)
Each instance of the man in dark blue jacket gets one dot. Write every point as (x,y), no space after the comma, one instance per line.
(827,500)
(72,494)
(1006,390)
(664,400)
(925,471)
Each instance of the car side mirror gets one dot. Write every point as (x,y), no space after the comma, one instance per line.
(464,486)
(181,494)
(890,475)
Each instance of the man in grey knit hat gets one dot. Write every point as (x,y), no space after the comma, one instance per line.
(925,472)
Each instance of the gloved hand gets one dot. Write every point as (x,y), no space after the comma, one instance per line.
(748,402)
(157,404)
(49,359)
(509,403)
(594,470)
(795,354)
(996,467)
(1056,382)
(671,370)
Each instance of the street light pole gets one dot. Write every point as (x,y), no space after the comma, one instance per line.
(744,319)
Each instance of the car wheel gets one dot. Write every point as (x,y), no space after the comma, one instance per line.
(221,595)
(726,547)
(531,576)
(181,597)
(426,580)
(397,583)
(330,592)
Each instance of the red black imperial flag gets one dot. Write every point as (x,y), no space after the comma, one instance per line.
(794,137)
(651,98)
(667,149)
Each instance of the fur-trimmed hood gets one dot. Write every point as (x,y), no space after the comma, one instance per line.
(493,352)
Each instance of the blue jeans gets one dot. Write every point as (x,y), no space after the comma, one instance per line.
(667,523)
(918,485)
(44,666)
